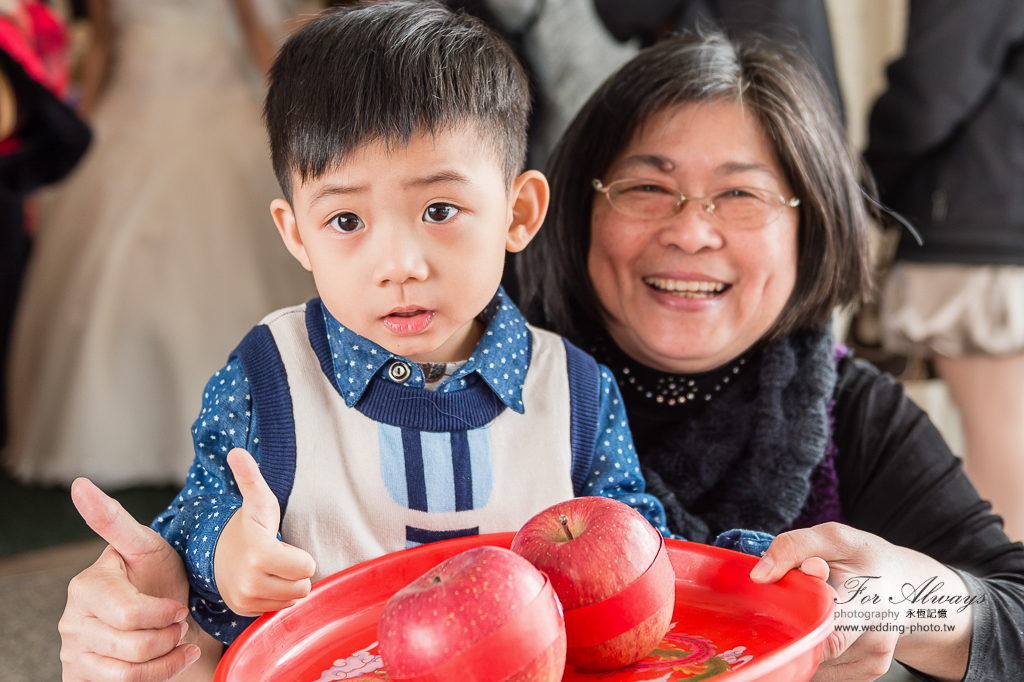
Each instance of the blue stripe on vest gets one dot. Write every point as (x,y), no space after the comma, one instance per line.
(584,404)
(418,536)
(415,481)
(436,472)
(392,463)
(272,401)
(462,470)
(479,443)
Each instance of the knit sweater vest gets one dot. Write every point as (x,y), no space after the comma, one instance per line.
(405,466)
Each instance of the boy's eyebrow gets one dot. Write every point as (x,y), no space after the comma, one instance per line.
(334,190)
(440,177)
(445,176)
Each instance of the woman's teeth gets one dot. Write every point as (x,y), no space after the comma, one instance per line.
(686,288)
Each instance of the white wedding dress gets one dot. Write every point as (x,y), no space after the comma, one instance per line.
(152,261)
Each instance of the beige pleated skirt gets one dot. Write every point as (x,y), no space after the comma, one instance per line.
(953,310)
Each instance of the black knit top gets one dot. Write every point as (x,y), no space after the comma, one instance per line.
(896,479)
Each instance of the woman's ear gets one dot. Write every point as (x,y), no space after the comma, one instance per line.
(284,218)
(530,196)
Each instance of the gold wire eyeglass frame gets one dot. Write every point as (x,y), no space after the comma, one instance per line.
(681,199)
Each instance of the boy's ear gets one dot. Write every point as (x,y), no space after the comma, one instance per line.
(530,196)
(284,218)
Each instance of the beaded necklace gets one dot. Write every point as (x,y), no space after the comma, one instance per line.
(664,388)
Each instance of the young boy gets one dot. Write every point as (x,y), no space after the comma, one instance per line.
(410,402)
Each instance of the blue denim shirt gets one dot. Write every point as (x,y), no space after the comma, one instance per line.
(193,522)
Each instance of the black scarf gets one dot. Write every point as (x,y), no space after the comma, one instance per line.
(745,460)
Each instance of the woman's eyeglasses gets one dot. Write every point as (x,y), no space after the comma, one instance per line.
(739,207)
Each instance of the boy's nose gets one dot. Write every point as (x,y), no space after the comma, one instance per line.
(400,259)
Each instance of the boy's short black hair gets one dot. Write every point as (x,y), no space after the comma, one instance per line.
(386,71)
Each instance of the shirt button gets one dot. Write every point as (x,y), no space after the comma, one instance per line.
(399,371)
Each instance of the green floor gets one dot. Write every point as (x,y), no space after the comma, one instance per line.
(33,517)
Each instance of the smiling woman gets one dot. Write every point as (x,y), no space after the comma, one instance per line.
(755,129)
(745,268)
(707,218)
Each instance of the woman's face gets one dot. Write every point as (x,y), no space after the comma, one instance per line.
(639,268)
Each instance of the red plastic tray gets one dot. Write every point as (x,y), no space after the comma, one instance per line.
(724,624)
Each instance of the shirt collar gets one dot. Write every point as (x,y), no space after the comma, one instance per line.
(500,359)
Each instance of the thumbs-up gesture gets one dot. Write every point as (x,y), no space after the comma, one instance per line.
(255,571)
(125,617)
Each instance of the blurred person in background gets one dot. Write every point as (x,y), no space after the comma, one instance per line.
(799,24)
(41,139)
(157,252)
(571,46)
(947,150)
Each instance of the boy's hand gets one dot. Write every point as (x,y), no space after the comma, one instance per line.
(255,571)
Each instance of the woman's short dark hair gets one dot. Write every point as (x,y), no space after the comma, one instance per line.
(385,71)
(789,100)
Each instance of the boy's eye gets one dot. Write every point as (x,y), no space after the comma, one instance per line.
(346,222)
(439,213)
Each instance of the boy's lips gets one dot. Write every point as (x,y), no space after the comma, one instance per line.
(409,320)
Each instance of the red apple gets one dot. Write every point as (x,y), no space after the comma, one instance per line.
(485,615)
(610,570)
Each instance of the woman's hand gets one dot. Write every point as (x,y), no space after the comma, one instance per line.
(872,575)
(126,614)
(255,571)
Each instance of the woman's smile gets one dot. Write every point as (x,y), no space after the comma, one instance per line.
(686,293)
(687,288)
(690,291)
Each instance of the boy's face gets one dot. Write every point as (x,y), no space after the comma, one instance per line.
(407,245)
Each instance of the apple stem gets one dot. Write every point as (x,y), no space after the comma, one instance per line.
(565,525)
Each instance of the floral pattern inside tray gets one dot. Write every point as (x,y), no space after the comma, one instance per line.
(680,656)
